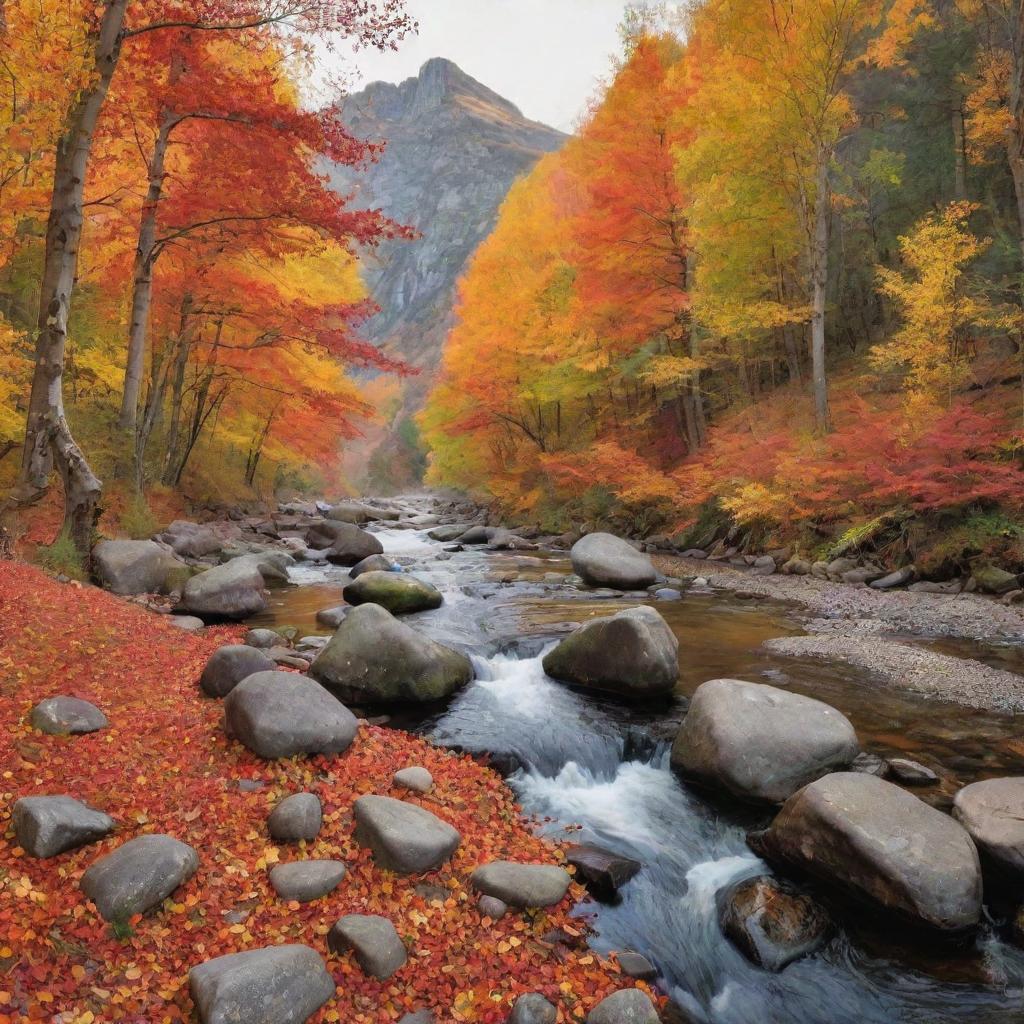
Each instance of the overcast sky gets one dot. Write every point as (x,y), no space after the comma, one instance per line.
(546,56)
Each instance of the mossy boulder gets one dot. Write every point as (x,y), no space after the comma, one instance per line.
(399,593)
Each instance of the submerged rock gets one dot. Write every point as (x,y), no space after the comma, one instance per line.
(603,872)
(633,654)
(879,843)
(758,742)
(604,560)
(373,658)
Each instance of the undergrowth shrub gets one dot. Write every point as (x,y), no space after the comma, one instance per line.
(61,557)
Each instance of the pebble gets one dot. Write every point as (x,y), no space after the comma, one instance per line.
(419,780)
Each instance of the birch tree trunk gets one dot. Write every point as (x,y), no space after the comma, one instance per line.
(48,437)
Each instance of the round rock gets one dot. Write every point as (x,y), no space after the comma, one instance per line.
(377,947)
(403,837)
(992,811)
(400,594)
(67,716)
(375,563)
(630,1006)
(262,638)
(229,665)
(306,880)
(603,560)
(281,714)
(419,780)
(522,885)
(296,818)
(533,1008)
(231,591)
(46,826)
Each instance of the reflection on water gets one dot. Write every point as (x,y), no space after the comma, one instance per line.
(588,760)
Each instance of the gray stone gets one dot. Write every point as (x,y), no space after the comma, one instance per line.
(186,623)
(262,638)
(419,780)
(231,591)
(604,560)
(877,842)
(352,512)
(139,875)
(403,837)
(492,907)
(899,578)
(838,566)
(933,587)
(758,742)
(297,817)
(633,965)
(522,885)
(771,923)
(306,880)
(532,1008)
(398,593)
(476,535)
(668,594)
(67,716)
(281,714)
(190,540)
(991,580)
(910,773)
(375,563)
(632,654)
(764,566)
(46,826)
(506,540)
(277,985)
(865,574)
(603,872)
(797,566)
(133,566)
(229,665)
(992,811)
(373,658)
(271,565)
(448,533)
(378,949)
(350,545)
(419,1017)
(332,617)
(628,1006)
(699,554)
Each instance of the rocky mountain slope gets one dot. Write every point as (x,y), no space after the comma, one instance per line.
(454,148)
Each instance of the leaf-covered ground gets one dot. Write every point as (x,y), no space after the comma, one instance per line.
(164,765)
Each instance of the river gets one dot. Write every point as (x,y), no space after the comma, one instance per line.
(592,769)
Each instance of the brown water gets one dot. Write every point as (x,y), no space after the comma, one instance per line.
(580,759)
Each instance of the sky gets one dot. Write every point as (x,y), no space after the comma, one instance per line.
(546,56)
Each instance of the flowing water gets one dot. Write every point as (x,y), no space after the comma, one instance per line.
(592,769)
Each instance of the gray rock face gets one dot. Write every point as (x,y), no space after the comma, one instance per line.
(533,1008)
(604,560)
(67,716)
(454,149)
(230,591)
(295,818)
(758,742)
(139,875)
(277,985)
(46,826)
(132,566)
(306,880)
(398,593)
(633,654)
(281,714)
(770,923)
(377,947)
(630,1006)
(881,844)
(992,811)
(375,563)
(376,659)
(403,837)
(522,885)
(419,780)
(229,665)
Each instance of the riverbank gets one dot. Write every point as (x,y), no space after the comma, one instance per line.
(164,765)
(861,626)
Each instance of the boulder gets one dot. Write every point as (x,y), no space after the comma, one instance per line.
(67,716)
(271,565)
(281,714)
(797,566)
(190,540)
(229,665)
(603,560)
(629,1006)
(506,540)
(297,817)
(533,1008)
(475,535)
(343,543)
(186,623)
(771,923)
(522,885)
(879,843)
(398,593)
(262,639)
(139,875)
(991,580)
(403,837)
(373,658)
(992,811)
(899,578)
(378,949)
(758,742)
(633,654)
(276,985)
(375,563)
(352,512)
(303,881)
(419,780)
(133,566)
(604,873)
(231,591)
(46,826)
(332,617)
(446,534)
